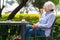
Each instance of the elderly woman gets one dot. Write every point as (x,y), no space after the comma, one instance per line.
(46,21)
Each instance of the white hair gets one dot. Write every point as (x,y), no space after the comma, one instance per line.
(49,5)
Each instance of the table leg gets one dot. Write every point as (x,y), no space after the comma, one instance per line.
(23,31)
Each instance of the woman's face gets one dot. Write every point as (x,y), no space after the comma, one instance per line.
(47,9)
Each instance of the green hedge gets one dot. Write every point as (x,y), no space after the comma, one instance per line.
(8,30)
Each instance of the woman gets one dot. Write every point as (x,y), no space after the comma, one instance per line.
(46,21)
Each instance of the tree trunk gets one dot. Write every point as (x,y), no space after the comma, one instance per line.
(23,3)
(1,10)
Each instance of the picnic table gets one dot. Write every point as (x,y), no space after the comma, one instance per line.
(21,24)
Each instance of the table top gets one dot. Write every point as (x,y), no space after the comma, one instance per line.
(13,22)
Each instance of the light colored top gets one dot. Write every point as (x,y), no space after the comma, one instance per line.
(46,20)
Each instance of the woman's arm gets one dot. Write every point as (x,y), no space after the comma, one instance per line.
(51,19)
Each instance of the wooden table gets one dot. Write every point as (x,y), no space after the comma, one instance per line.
(22,24)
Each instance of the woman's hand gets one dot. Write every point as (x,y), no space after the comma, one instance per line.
(34,26)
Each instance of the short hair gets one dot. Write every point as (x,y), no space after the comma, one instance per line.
(49,5)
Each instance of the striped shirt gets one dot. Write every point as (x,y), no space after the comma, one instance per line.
(46,20)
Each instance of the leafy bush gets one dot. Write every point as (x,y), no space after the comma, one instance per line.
(32,18)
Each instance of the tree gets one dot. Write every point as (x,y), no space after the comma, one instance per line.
(23,3)
(26,6)
(2,4)
(1,10)
(2,7)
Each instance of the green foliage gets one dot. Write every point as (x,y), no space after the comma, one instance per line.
(39,3)
(32,18)
(55,1)
(10,30)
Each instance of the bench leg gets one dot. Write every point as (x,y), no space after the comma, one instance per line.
(34,38)
(46,38)
(52,38)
